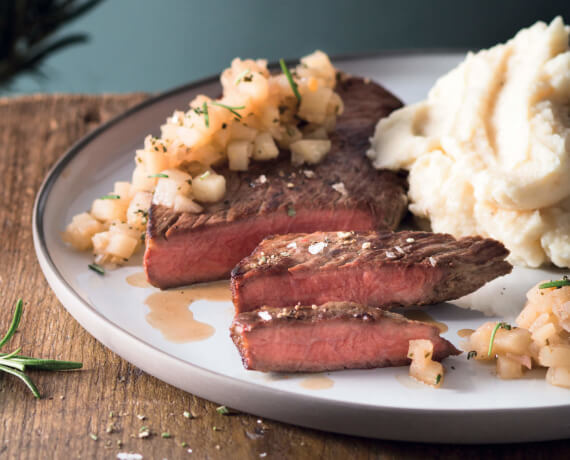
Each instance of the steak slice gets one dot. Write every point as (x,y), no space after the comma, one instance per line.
(380,269)
(276,197)
(330,337)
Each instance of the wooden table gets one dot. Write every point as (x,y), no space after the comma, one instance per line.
(97,412)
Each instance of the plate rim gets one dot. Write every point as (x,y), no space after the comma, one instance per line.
(57,281)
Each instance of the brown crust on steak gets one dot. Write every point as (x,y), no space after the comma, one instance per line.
(466,263)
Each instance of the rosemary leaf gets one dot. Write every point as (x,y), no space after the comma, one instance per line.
(15,322)
(287,73)
(230,108)
(48,364)
(22,377)
(13,363)
(206,115)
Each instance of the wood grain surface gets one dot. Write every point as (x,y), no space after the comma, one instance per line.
(109,397)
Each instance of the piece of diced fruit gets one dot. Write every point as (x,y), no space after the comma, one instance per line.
(508,368)
(555,356)
(309,151)
(264,147)
(209,187)
(239,153)
(109,209)
(80,231)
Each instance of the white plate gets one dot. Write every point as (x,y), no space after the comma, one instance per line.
(473,406)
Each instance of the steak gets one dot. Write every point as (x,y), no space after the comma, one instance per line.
(343,192)
(330,337)
(379,269)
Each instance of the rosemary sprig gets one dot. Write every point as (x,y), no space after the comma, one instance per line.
(14,364)
(111,196)
(495,329)
(230,108)
(287,73)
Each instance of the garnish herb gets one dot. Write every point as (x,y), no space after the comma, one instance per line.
(555,284)
(110,197)
(204,175)
(165,435)
(290,79)
(97,268)
(471,354)
(15,364)
(187,414)
(222,410)
(158,175)
(495,329)
(291,211)
(242,75)
(206,115)
(231,109)
(438,379)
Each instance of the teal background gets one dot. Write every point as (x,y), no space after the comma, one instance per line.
(152,45)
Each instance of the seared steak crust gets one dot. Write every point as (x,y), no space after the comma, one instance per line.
(276,197)
(329,337)
(380,269)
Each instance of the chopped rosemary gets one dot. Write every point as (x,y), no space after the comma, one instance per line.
(230,108)
(158,175)
(204,175)
(290,79)
(471,354)
(438,379)
(97,268)
(291,211)
(555,284)
(222,410)
(15,364)
(111,196)
(495,329)
(166,435)
(206,115)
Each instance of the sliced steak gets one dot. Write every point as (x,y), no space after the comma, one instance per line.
(380,269)
(275,197)
(330,337)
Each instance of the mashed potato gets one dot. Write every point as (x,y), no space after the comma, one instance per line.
(489,150)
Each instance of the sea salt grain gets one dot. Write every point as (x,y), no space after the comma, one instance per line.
(432,261)
(366,245)
(292,245)
(390,255)
(265,316)
(340,188)
(309,174)
(315,248)
(129,456)
(410,240)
